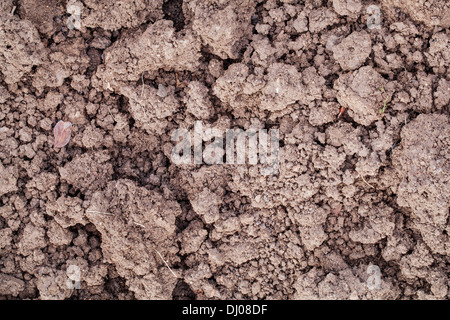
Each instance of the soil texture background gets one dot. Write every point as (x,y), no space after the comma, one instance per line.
(358,209)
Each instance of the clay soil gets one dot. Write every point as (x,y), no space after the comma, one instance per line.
(359,91)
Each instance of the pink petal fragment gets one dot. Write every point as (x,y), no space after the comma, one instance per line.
(62,133)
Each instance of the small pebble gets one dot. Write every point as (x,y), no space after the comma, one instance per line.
(162,91)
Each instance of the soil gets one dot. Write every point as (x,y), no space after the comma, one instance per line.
(359,208)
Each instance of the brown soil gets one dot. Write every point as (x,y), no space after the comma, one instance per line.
(370,187)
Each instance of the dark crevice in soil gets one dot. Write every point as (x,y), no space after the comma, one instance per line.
(228,62)
(173,10)
(116,285)
(115,35)
(182,291)
(181,222)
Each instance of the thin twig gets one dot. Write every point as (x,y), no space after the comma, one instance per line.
(367,182)
(142,96)
(99,212)
(139,224)
(109,110)
(165,263)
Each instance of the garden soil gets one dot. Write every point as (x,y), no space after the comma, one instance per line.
(358,207)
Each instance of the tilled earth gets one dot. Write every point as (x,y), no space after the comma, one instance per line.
(359,91)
